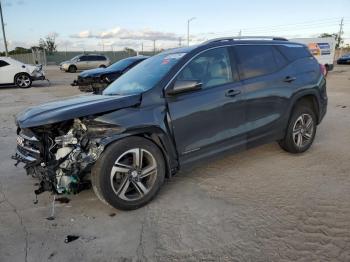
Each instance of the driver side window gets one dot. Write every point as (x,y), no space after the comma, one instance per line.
(211,68)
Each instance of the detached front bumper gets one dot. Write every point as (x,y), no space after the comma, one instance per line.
(35,78)
(37,75)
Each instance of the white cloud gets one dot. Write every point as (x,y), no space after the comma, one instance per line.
(83,34)
(123,33)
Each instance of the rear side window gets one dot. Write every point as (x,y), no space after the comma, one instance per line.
(258,60)
(101,58)
(3,63)
(294,51)
(97,58)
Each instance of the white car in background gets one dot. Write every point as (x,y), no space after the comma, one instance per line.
(15,72)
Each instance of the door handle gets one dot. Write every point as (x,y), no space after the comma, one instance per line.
(289,79)
(232,92)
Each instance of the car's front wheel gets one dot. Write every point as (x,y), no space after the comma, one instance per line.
(72,69)
(23,80)
(129,173)
(301,130)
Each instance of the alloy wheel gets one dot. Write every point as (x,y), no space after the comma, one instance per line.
(23,81)
(133,174)
(303,130)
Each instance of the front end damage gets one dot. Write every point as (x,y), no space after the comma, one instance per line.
(61,155)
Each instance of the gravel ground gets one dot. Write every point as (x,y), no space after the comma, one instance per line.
(259,205)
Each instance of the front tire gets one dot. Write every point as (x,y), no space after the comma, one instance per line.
(23,80)
(129,173)
(301,130)
(72,69)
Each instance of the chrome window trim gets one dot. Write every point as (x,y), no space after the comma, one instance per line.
(231,45)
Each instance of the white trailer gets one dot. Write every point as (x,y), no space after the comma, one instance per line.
(323,49)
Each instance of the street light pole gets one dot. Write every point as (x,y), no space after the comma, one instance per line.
(3,31)
(188,30)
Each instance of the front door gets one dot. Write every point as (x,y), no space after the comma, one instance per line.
(211,119)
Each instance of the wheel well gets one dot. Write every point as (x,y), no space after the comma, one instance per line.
(20,73)
(154,138)
(310,101)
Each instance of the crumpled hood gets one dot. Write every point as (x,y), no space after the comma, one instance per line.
(74,107)
(97,72)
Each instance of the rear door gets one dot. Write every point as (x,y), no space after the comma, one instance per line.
(95,61)
(208,120)
(268,81)
(83,62)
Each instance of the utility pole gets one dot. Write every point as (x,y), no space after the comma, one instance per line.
(188,30)
(340,32)
(240,33)
(154,47)
(142,48)
(3,31)
(180,41)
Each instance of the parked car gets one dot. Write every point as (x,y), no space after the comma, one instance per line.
(84,62)
(13,72)
(344,60)
(96,80)
(174,109)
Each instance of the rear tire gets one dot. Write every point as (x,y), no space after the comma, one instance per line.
(301,130)
(129,173)
(72,69)
(23,80)
(102,66)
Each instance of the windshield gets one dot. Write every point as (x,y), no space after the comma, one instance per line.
(144,76)
(75,58)
(122,64)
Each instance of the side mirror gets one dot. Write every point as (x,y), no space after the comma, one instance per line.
(182,86)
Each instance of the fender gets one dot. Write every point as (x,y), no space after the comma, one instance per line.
(306,92)
(157,135)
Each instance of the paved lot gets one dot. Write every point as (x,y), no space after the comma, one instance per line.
(259,205)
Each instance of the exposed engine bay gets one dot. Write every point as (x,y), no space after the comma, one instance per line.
(60,155)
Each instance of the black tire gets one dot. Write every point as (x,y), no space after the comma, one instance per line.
(290,141)
(102,66)
(105,187)
(23,80)
(72,69)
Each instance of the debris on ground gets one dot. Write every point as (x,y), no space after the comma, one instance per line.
(63,200)
(70,238)
(342,106)
(112,214)
(52,255)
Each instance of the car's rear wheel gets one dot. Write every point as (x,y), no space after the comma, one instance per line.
(129,173)
(102,66)
(301,130)
(72,69)
(23,80)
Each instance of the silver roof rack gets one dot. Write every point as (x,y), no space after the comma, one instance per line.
(232,38)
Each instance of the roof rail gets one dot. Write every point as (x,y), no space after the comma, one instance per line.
(232,38)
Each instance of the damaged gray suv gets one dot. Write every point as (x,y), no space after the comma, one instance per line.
(170,111)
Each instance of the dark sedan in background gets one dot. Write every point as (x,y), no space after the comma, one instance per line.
(96,80)
(344,60)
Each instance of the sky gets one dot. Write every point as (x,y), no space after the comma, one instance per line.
(81,25)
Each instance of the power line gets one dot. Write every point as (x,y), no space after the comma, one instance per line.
(282,27)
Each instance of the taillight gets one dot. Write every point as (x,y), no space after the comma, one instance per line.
(323,70)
